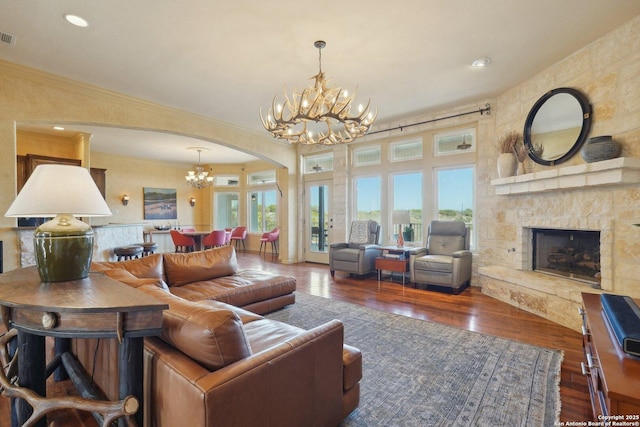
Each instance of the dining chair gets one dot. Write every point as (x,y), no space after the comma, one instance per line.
(270,237)
(228,235)
(238,234)
(214,239)
(183,243)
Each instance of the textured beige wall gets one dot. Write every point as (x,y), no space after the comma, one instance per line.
(30,96)
(608,73)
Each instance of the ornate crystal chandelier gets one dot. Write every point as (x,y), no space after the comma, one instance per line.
(199,178)
(295,120)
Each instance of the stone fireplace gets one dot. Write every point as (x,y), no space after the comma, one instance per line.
(586,212)
(573,254)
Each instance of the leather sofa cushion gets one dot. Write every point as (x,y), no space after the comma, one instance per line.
(214,337)
(266,333)
(244,287)
(145,267)
(183,268)
(441,263)
(126,277)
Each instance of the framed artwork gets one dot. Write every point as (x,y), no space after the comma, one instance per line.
(160,203)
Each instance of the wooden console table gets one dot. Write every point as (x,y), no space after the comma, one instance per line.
(94,307)
(613,376)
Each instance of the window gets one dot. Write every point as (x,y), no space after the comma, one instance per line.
(226,180)
(455,188)
(367,197)
(454,142)
(262,177)
(406,215)
(263,211)
(318,163)
(406,150)
(226,210)
(366,156)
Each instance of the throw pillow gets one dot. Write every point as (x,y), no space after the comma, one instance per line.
(183,268)
(359,232)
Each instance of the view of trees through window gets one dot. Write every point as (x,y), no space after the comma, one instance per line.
(455,195)
(263,211)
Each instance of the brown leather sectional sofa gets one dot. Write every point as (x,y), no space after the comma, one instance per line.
(219,362)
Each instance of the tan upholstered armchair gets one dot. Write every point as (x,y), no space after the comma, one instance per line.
(357,256)
(446,261)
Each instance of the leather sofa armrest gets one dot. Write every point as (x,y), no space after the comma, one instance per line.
(368,247)
(307,371)
(461,254)
(416,252)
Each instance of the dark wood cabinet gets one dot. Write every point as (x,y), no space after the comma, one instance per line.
(613,376)
(100,178)
(26,164)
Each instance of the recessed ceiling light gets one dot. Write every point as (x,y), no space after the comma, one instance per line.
(482,62)
(58,128)
(76,20)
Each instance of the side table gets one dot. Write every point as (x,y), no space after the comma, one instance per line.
(398,262)
(94,307)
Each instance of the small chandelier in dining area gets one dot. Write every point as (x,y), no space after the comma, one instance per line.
(198,178)
(318,114)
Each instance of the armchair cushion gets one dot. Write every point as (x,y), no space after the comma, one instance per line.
(440,263)
(347,254)
(359,232)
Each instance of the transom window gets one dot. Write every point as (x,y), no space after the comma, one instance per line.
(406,150)
(367,156)
(454,142)
(318,163)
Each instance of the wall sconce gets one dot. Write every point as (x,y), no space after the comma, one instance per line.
(192,201)
(125,200)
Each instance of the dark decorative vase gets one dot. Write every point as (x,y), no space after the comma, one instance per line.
(600,148)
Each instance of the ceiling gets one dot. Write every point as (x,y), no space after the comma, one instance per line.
(226,60)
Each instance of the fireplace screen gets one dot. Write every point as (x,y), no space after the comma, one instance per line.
(569,253)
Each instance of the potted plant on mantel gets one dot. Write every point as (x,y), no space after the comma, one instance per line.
(507,160)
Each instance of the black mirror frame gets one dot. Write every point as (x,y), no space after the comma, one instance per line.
(586,125)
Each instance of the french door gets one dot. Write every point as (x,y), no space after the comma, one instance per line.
(317,221)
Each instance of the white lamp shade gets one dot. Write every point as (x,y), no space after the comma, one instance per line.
(59,189)
(401,217)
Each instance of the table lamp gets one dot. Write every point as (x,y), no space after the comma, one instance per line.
(64,245)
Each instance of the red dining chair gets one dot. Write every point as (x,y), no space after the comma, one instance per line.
(238,234)
(270,237)
(183,243)
(214,239)
(228,235)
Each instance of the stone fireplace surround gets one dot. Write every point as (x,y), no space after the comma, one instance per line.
(554,297)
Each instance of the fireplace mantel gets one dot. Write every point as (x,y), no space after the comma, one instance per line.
(619,171)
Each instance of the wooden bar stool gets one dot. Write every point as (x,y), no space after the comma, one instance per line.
(128,252)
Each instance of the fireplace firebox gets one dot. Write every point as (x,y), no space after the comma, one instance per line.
(569,253)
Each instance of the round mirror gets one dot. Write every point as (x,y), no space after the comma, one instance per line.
(557,126)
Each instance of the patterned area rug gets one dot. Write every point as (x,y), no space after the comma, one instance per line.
(418,373)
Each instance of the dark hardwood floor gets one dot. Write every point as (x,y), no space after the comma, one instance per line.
(470,310)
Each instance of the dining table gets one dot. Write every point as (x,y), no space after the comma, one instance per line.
(197,237)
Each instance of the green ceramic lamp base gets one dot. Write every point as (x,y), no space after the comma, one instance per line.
(63,249)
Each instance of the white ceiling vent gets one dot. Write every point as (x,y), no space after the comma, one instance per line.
(7,38)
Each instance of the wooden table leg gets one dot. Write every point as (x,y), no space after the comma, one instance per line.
(131,374)
(31,374)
